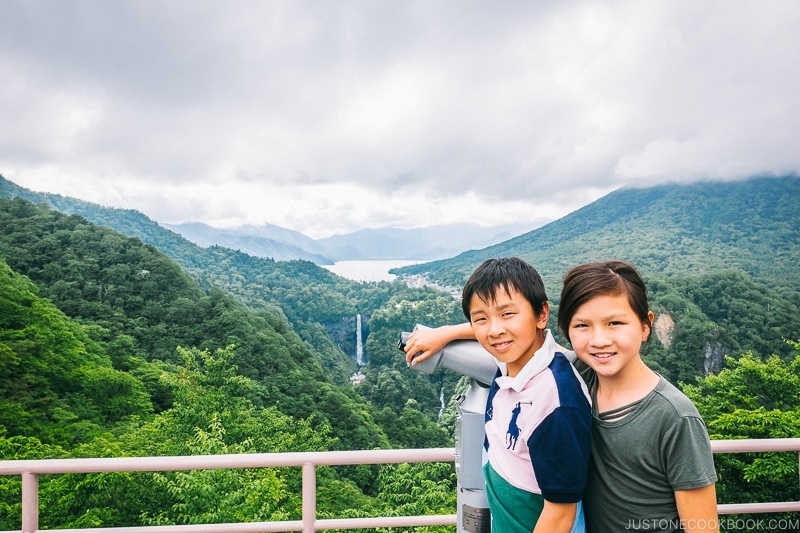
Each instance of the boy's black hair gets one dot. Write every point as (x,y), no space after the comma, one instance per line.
(506,273)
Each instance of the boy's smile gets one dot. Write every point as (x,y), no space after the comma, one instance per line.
(508,328)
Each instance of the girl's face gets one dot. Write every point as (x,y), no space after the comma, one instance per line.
(606,334)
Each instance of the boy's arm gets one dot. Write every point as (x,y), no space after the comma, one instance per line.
(556,518)
(697,509)
(424,342)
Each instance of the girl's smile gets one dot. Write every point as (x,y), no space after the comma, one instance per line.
(606,334)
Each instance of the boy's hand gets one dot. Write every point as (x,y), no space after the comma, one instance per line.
(424,342)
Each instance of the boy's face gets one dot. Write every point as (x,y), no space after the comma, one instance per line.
(508,328)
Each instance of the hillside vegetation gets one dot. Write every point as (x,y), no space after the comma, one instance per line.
(665,231)
(119,337)
(140,306)
(313,300)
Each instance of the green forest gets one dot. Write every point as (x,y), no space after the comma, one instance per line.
(120,338)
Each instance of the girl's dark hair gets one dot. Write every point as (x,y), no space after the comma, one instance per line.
(609,278)
(508,273)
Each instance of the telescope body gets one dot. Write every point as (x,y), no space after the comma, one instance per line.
(468,358)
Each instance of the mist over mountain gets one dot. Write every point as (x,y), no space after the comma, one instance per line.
(665,231)
(267,240)
(282,244)
(434,242)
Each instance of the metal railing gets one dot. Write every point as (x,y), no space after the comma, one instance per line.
(755,446)
(308,461)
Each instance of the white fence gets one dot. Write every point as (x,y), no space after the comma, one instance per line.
(308,461)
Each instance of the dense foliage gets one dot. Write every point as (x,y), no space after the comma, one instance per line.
(118,337)
(57,383)
(753,398)
(716,315)
(102,383)
(142,306)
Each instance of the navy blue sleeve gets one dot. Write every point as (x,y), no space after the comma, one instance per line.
(562,444)
(560,449)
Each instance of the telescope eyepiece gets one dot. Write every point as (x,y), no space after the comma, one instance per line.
(401,344)
(403,341)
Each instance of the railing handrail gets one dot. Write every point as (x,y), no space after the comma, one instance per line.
(755,445)
(30,469)
(209,462)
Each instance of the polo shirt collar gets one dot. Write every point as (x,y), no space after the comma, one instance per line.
(541,359)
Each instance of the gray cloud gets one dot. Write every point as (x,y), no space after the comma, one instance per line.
(332,116)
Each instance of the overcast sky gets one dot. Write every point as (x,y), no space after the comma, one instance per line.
(331,116)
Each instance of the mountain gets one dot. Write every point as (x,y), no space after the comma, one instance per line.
(267,240)
(721,261)
(136,304)
(693,243)
(665,231)
(296,290)
(435,242)
(281,244)
(319,306)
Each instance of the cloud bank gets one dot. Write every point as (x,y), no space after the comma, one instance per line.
(329,117)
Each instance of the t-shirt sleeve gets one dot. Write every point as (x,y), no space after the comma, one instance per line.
(560,449)
(686,455)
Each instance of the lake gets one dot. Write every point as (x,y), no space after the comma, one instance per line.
(369,270)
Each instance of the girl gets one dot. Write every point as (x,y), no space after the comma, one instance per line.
(651,466)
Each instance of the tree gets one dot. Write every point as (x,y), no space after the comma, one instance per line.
(56,382)
(753,399)
(211,415)
(419,489)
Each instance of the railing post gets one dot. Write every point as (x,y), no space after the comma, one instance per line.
(30,502)
(309,497)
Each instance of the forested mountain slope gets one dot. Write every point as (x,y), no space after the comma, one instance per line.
(318,305)
(56,382)
(140,306)
(310,297)
(74,388)
(665,231)
(722,261)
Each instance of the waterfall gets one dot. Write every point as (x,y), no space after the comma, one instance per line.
(441,402)
(359,345)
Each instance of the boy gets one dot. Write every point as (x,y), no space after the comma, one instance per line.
(538,417)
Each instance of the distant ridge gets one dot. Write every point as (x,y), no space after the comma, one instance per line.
(282,244)
(270,241)
(434,242)
(668,230)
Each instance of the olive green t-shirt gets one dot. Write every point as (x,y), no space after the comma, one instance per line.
(638,461)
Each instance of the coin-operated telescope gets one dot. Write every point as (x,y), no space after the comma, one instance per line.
(469,359)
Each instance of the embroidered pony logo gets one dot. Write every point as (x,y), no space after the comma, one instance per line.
(512,435)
